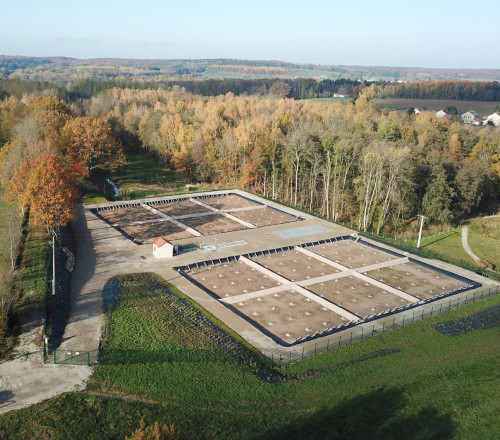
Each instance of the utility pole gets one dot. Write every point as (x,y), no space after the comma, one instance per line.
(422,217)
(54,235)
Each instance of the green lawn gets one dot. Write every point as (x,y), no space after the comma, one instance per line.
(142,177)
(484,239)
(161,367)
(330,100)
(448,244)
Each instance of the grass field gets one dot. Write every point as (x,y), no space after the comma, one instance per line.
(142,177)
(449,245)
(484,239)
(410,383)
(483,108)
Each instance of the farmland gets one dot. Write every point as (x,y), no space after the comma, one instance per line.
(163,366)
(483,108)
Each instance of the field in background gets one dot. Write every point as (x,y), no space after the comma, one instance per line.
(412,382)
(483,108)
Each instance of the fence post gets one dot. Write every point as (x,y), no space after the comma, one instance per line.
(290,360)
(403,319)
(55,361)
(362,332)
(393,323)
(373,329)
(315,346)
(351,338)
(302,352)
(432,310)
(383,327)
(422,313)
(474,296)
(327,345)
(340,337)
(413,317)
(88,358)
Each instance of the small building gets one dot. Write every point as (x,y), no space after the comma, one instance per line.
(163,248)
(442,114)
(494,119)
(419,110)
(469,117)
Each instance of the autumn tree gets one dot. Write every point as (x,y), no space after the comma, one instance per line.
(154,432)
(456,148)
(47,187)
(89,145)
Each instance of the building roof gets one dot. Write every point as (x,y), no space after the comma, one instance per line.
(160,241)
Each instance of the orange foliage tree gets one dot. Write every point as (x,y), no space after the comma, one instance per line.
(89,144)
(48,188)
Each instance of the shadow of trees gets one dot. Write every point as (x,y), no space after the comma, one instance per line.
(380,414)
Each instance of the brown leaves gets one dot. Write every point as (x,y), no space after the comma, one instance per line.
(48,187)
(89,144)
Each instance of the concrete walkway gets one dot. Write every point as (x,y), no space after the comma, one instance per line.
(465,244)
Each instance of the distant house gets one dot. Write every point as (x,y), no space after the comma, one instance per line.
(163,248)
(494,118)
(469,117)
(442,114)
(419,110)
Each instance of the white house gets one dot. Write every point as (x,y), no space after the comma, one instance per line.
(494,118)
(469,117)
(442,113)
(163,248)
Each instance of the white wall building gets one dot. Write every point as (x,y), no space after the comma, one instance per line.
(495,118)
(163,248)
(469,117)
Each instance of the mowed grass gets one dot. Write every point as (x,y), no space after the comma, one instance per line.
(483,108)
(436,386)
(449,245)
(141,177)
(484,239)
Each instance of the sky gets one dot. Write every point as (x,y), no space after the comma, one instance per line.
(438,33)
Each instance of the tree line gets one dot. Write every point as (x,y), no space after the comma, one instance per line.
(354,162)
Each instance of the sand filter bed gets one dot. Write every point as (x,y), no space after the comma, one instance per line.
(295,265)
(351,254)
(357,296)
(416,280)
(231,279)
(289,315)
(264,217)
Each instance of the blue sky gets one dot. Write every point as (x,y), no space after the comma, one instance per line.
(439,33)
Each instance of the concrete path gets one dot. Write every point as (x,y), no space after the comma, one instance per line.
(465,244)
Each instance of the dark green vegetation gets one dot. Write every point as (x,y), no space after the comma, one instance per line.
(485,319)
(163,368)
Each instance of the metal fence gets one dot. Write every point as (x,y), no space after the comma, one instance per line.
(288,355)
(72,357)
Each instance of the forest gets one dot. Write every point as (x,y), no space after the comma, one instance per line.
(354,162)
